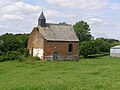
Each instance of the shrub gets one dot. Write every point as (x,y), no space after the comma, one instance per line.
(3,58)
(1,53)
(36,58)
(87,48)
(12,55)
(24,52)
(21,58)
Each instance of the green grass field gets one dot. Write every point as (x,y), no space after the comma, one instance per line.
(87,74)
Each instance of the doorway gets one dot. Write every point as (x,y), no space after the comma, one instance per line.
(54,55)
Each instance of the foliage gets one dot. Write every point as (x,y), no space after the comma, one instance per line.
(10,42)
(115,44)
(13,47)
(109,40)
(63,23)
(97,46)
(82,30)
(102,45)
(87,48)
(14,55)
(23,51)
(87,74)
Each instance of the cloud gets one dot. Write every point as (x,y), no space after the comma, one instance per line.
(8,17)
(7,2)
(95,20)
(20,7)
(3,2)
(86,4)
(17,16)
(103,28)
(80,4)
(52,14)
(115,6)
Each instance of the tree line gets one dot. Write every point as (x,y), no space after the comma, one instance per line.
(13,46)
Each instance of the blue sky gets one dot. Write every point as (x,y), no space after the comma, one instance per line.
(20,16)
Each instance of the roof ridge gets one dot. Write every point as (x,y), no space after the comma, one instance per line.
(59,24)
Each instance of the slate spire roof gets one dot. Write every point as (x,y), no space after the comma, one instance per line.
(42,16)
(42,20)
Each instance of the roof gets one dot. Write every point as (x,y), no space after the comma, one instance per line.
(116,47)
(58,32)
(42,16)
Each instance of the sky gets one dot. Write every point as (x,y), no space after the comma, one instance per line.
(21,16)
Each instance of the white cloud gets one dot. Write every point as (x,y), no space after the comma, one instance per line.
(7,2)
(51,14)
(20,7)
(81,4)
(3,2)
(104,28)
(17,16)
(95,20)
(115,5)
(86,4)
(8,17)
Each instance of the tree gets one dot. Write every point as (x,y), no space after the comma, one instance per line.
(10,42)
(109,40)
(82,30)
(63,23)
(115,44)
(1,45)
(13,46)
(87,48)
(102,45)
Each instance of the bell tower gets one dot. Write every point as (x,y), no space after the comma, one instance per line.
(42,20)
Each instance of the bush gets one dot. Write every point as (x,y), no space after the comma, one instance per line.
(12,55)
(24,52)
(11,42)
(87,48)
(98,55)
(1,53)
(13,47)
(102,45)
(3,58)
(21,58)
(35,58)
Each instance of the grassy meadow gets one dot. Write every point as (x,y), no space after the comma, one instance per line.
(88,74)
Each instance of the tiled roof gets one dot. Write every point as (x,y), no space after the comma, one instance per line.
(58,32)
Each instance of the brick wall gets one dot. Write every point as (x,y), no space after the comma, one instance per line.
(61,48)
(35,40)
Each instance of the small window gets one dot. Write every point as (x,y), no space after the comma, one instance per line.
(70,47)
